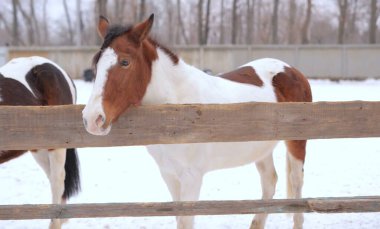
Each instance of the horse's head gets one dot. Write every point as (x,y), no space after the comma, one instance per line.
(123,68)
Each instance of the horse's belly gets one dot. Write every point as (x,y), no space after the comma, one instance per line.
(210,156)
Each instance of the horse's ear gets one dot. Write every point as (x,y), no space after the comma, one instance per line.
(103,26)
(142,29)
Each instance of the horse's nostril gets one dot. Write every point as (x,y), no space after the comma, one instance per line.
(100,121)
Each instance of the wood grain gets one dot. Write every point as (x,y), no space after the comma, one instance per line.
(320,205)
(61,126)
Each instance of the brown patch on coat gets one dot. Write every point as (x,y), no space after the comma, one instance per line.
(10,154)
(14,93)
(297,148)
(49,85)
(292,86)
(244,74)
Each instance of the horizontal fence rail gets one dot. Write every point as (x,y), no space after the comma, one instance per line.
(61,126)
(318,205)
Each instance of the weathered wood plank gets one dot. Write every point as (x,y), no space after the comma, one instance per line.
(320,205)
(61,126)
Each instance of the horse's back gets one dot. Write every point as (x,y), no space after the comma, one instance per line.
(35,81)
(289,84)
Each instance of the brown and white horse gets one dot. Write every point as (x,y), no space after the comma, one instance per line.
(36,81)
(132,69)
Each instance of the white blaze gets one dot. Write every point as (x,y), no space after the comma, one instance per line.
(94,106)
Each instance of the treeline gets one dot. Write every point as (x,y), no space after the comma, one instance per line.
(193,22)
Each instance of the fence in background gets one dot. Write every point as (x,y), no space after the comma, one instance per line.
(316,61)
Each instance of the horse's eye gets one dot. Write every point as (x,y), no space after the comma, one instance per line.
(124,63)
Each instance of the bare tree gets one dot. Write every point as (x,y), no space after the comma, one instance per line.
(372,22)
(117,11)
(101,8)
(15,25)
(250,20)
(5,24)
(45,23)
(275,22)
(342,5)
(258,10)
(134,7)
(29,23)
(171,28)
(180,22)
(306,24)
(291,22)
(79,24)
(221,25)
(68,21)
(234,22)
(142,10)
(35,23)
(352,21)
(200,21)
(207,23)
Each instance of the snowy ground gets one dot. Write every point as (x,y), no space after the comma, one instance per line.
(340,167)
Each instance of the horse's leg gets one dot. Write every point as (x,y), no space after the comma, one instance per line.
(183,182)
(173,185)
(42,158)
(183,186)
(57,160)
(296,151)
(191,182)
(53,163)
(268,178)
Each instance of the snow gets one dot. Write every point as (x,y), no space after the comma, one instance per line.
(338,167)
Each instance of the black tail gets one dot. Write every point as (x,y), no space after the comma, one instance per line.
(72,179)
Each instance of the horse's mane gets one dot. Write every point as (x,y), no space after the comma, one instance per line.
(166,50)
(117,30)
(113,32)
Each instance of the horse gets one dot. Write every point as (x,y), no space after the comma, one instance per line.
(37,81)
(133,69)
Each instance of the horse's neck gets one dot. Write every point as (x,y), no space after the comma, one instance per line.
(182,83)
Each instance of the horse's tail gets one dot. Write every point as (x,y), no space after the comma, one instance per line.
(72,178)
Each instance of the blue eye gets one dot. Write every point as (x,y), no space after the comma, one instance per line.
(124,63)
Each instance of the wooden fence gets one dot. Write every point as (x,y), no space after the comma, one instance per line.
(319,61)
(61,126)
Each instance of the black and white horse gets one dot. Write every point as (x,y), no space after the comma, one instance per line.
(37,81)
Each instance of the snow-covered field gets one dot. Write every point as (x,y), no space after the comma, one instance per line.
(339,167)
